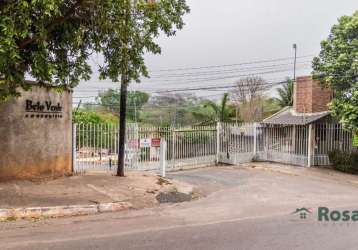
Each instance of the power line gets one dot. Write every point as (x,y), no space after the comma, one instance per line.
(231,65)
(215,87)
(265,86)
(194,78)
(182,79)
(205,80)
(200,98)
(157,91)
(215,72)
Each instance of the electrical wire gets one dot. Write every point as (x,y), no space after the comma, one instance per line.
(231,65)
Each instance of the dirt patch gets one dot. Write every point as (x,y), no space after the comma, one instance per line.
(173,197)
(138,188)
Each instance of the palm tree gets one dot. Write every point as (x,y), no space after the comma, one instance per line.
(220,112)
(285,94)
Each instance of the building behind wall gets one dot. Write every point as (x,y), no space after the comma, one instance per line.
(36,135)
(310,97)
(305,133)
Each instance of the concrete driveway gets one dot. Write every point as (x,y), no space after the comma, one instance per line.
(244,207)
(261,189)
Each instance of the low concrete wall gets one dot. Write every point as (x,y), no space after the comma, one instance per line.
(36,135)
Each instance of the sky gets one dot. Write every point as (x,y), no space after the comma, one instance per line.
(234,32)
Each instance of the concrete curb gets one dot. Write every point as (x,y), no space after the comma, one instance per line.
(61,211)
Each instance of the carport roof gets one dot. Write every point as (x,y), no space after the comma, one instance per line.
(288,116)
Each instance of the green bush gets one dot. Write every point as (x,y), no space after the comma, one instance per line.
(344,161)
(93,117)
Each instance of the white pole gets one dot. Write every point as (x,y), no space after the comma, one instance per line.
(163,153)
(293,149)
(255,139)
(173,147)
(310,144)
(218,127)
(74,126)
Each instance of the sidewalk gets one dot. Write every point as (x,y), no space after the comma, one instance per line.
(312,172)
(137,190)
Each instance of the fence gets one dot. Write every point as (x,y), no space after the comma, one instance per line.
(186,147)
(329,137)
(96,146)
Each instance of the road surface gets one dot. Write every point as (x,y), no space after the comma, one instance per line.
(242,209)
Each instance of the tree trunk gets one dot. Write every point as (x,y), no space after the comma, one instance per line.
(122,126)
(123,97)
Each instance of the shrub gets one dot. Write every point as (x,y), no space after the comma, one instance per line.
(344,161)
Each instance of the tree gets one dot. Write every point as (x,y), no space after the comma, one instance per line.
(51,40)
(214,112)
(248,88)
(337,68)
(247,94)
(170,109)
(285,94)
(109,99)
(346,108)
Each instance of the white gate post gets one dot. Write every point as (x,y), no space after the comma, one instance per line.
(74,132)
(163,153)
(255,139)
(293,149)
(173,147)
(218,128)
(310,145)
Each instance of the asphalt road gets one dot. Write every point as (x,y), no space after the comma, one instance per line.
(267,233)
(243,209)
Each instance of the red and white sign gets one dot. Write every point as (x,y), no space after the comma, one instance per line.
(155,142)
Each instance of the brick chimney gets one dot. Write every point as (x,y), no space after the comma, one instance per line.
(310,96)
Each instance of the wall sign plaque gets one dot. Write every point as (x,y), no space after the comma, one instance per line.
(43,109)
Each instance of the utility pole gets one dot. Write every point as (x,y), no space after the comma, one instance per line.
(294,66)
(123,96)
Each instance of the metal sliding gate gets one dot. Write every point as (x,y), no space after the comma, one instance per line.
(96,146)
(237,143)
(283,144)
